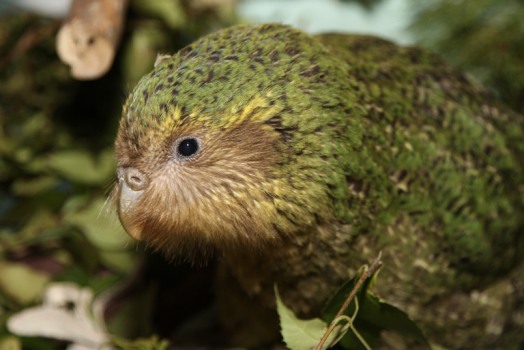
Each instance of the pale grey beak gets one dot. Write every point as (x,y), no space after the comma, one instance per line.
(131,183)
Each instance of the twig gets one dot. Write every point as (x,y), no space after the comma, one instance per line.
(365,274)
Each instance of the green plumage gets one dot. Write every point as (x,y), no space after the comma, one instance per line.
(372,147)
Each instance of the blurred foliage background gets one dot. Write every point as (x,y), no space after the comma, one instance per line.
(483,37)
(57,166)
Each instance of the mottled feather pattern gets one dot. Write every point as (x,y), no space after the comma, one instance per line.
(317,153)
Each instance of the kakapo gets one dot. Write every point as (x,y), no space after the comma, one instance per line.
(295,159)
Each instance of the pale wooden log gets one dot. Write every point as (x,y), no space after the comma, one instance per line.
(89,38)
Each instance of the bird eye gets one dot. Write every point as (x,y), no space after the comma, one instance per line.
(188,147)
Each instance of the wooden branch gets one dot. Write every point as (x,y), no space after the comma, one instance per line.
(89,38)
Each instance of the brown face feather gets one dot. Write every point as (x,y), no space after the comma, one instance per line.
(220,198)
(263,172)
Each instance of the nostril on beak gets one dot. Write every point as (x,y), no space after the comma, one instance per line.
(135,179)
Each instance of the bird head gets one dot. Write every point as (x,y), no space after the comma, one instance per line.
(223,145)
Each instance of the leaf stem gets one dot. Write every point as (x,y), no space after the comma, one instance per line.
(356,310)
(351,296)
(357,334)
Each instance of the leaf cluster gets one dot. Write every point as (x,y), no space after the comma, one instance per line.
(356,318)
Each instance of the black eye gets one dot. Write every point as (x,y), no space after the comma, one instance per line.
(188,147)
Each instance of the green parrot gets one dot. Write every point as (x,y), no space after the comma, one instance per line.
(295,159)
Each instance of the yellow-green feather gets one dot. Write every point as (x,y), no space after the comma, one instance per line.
(381,147)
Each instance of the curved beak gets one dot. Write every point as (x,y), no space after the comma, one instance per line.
(126,201)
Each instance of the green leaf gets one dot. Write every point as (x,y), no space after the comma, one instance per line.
(31,187)
(21,283)
(82,166)
(171,12)
(105,233)
(305,334)
(141,50)
(41,219)
(10,343)
(374,315)
(100,228)
(122,261)
(132,317)
(74,274)
(152,343)
(85,255)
